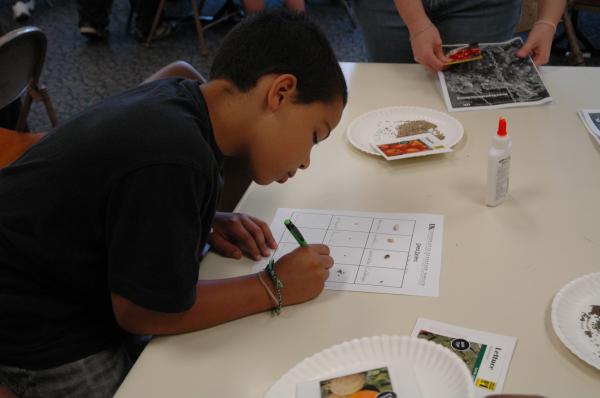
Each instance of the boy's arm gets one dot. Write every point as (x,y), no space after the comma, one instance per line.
(303,273)
(177,69)
(217,301)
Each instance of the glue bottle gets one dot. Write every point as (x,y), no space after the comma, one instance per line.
(498,166)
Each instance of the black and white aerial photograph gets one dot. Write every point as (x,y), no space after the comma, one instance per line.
(498,79)
(596,120)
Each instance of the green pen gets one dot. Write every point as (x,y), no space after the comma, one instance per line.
(295,232)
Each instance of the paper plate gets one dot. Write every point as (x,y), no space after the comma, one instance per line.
(380,125)
(576,317)
(440,372)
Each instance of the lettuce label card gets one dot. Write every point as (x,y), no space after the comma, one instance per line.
(411,146)
(486,355)
(374,383)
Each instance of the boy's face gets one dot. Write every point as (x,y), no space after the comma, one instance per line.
(285,139)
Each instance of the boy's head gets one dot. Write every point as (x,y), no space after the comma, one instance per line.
(289,61)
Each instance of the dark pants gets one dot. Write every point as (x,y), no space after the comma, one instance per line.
(96,376)
(96,12)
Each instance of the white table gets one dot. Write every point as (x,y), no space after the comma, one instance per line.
(500,266)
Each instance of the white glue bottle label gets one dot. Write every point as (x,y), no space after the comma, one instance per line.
(498,166)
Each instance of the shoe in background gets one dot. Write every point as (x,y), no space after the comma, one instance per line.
(22,10)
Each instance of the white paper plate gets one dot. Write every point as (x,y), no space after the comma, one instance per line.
(576,317)
(439,371)
(380,125)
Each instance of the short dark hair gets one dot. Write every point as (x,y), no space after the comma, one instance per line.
(280,41)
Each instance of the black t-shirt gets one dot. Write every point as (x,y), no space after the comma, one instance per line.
(120,198)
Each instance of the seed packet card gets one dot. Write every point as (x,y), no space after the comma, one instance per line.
(375,383)
(462,53)
(487,355)
(411,146)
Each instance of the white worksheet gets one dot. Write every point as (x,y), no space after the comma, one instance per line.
(373,252)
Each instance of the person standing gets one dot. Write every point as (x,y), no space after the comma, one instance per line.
(406,31)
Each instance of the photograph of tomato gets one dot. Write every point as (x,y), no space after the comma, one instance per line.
(404,147)
(466,53)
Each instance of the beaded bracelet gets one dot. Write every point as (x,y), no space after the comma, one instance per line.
(278,286)
(545,22)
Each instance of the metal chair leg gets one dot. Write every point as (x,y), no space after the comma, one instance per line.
(157,17)
(573,45)
(350,13)
(43,92)
(22,120)
(201,42)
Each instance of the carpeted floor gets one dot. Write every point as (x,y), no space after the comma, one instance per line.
(78,73)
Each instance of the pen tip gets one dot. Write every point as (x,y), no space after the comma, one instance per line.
(287,221)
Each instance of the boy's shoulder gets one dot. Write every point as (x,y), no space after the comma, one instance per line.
(164,109)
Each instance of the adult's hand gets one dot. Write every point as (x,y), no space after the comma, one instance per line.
(236,233)
(427,48)
(539,44)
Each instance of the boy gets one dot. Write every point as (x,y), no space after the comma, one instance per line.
(102,222)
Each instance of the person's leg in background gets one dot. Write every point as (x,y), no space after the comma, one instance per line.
(482,21)
(386,35)
(295,5)
(145,11)
(254,6)
(94,18)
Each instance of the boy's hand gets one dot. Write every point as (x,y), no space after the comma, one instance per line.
(303,273)
(236,233)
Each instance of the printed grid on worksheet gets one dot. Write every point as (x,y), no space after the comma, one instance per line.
(366,250)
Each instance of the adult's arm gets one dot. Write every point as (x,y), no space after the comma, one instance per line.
(539,40)
(425,39)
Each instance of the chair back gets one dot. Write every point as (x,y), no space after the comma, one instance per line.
(22,54)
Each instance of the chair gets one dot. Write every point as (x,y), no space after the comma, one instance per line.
(227,11)
(13,144)
(570,19)
(22,54)
(350,12)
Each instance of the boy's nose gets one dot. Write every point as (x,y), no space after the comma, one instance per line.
(305,164)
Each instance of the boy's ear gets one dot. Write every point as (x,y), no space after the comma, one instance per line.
(282,90)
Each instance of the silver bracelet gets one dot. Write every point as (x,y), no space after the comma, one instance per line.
(545,22)
(412,37)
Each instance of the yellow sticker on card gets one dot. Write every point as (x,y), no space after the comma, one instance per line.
(488,385)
